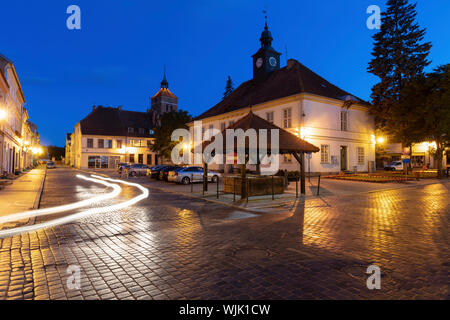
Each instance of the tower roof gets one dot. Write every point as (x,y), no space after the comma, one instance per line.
(266,37)
(164,82)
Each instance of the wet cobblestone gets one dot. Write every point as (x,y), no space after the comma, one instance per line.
(171,247)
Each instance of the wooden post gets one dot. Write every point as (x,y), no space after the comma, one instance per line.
(301,160)
(234,189)
(318,186)
(243,182)
(218,179)
(273,192)
(302,174)
(192,183)
(205,177)
(296,186)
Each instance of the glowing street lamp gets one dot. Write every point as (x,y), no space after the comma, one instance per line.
(381,140)
(2,114)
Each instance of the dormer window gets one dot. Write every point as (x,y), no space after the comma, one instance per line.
(130,130)
(141,130)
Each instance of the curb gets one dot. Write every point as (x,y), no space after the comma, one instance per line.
(37,201)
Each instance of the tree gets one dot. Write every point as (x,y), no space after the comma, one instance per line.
(170,121)
(423,112)
(399,55)
(228,87)
(56,152)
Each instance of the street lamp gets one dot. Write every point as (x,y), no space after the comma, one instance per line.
(2,114)
(381,140)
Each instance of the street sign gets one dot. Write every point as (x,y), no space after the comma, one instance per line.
(406,160)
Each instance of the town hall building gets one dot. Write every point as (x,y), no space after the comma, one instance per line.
(298,100)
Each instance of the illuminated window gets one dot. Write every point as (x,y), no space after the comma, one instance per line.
(101,143)
(269,117)
(360,152)
(287,118)
(109,144)
(325,153)
(119,144)
(287,158)
(344,120)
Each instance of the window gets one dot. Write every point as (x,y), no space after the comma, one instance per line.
(149,143)
(287,118)
(140,158)
(101,143)
(324,153)
(360,152)
(109,144)
(151,131)
(132,158)
(222,126)
(287,158)
(119,144)
(93,161)
(141,130)
(269,117)
(149,158)
(344,120)
(130,130)
(90,143)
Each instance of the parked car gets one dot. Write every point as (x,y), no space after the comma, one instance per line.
(194,174)
(137,169)
(155,171)
(394,166)
(164,172)
(51,165)
(172,176)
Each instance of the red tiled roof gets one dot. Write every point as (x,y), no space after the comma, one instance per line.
(290,80)
(164,92)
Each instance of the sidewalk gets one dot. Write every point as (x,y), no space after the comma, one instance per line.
(23,194)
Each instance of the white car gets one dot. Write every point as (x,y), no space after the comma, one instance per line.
(185,175)
(394,166)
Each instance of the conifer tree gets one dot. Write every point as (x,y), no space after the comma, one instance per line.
(228,87)
(399,54)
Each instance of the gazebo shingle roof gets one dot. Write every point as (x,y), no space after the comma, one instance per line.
(288,142)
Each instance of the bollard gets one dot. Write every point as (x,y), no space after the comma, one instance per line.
(234,189)
(218,187)
(247,186)
(318,186)
(273,192)
(296,187)
(192,183)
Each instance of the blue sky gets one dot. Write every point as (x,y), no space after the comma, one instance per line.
(117,57)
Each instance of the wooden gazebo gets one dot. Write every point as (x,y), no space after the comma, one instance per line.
(288,144)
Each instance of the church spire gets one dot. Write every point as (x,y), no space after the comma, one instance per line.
(266,35)
(164,82)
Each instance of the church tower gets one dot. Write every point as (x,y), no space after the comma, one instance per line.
(164,100)
(266,60)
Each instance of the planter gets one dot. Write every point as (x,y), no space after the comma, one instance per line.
(257,185)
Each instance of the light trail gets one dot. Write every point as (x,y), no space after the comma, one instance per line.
(82,214)
(67,207)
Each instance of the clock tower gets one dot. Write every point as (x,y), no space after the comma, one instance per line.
(266,60)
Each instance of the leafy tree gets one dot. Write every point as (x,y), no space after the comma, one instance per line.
(56,152)
(228,87)
(169,122)
(399,54)
(423,112)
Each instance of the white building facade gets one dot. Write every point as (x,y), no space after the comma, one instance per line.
(298,100)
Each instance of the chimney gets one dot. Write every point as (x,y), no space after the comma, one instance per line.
(93,108)
(290,63)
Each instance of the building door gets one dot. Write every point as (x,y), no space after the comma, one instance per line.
(156,159)
(344,158)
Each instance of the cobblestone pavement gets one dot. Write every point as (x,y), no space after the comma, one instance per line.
(171,247)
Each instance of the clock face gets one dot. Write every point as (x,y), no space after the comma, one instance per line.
(259,62)
(273,61)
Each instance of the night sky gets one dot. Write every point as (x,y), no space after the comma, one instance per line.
(117,57)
